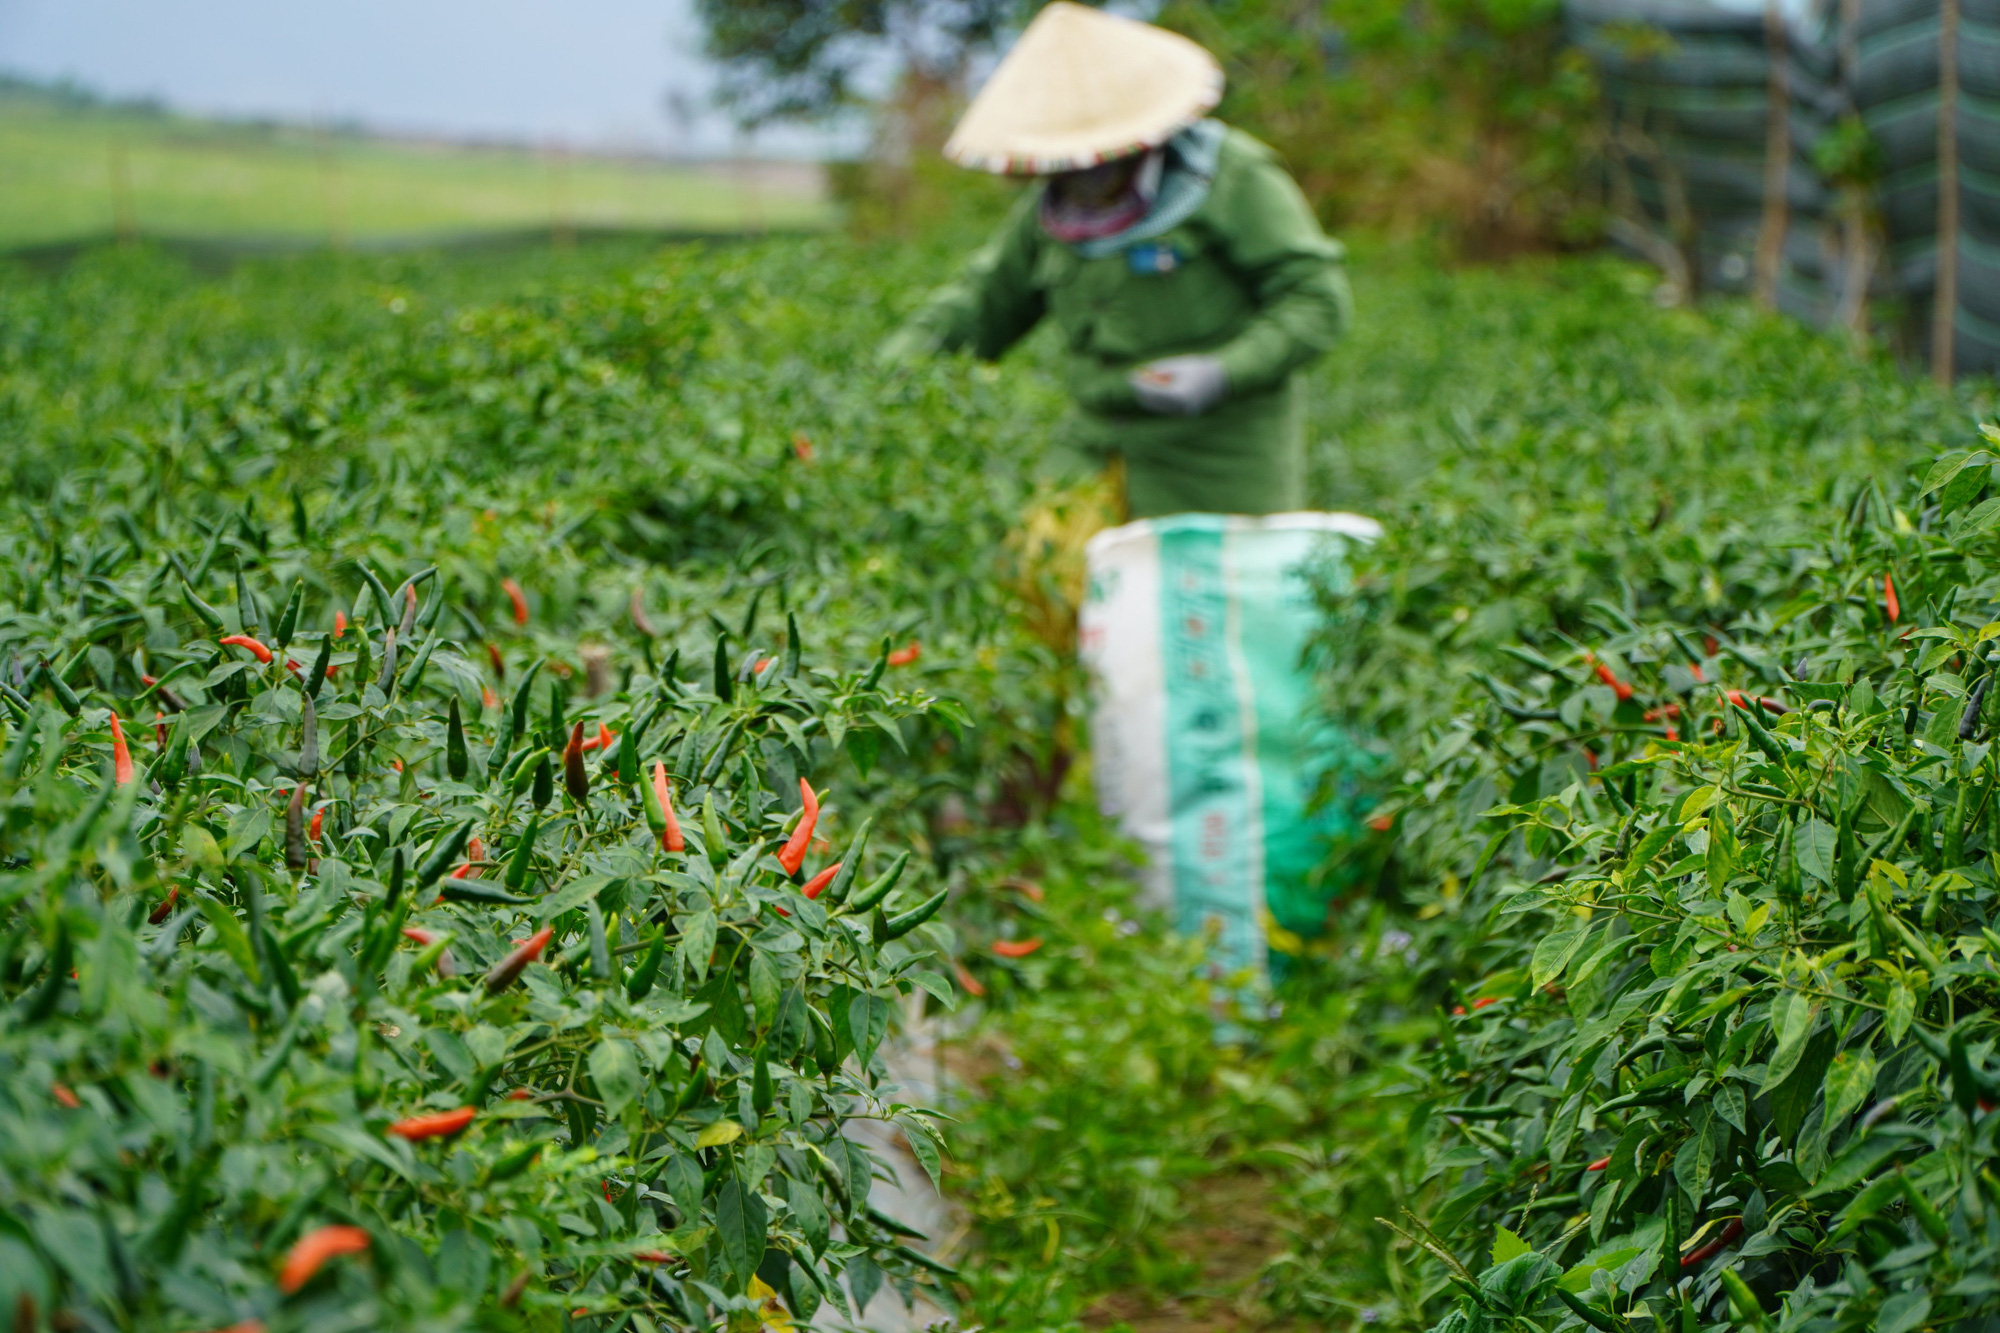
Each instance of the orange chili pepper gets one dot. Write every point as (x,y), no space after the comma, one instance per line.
(1610,677)
(793,853)
(671,838)
(1017,948)
(314,1249)
(339,623)
(518,598)
(815,886)
(487,698)
(318,821)
(508,970)
(966,980)
(1890,606)
(433,1124)
(121,754)
(907,654)
(62,1094)
(1599,1164)
(257,650)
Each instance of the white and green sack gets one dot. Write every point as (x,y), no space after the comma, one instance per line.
(1205,745)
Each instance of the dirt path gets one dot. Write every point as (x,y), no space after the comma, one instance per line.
(1230,1232)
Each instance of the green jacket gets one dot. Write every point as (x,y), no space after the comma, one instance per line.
(1248,277)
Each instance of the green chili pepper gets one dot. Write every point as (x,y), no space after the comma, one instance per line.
(478,891)
(457,762)
(545,781)
(837,890)
(879,890)
(641,981)
(725,688)
(317,677)
(524,851)
(65,696)
(288,619)
(447,850)
(904,922)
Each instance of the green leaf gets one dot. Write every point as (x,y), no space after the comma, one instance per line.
(1813,845)
(1577,1279)
(247,828)
(1792,1015)
(1849,1080)
(1553,952)
(234,939)
(740,1224)
(571,896)
(614,1068)
(1901,1011)
(1507,1245)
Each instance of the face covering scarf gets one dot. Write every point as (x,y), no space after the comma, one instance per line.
(1102,200)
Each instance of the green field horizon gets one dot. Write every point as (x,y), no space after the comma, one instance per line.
(76,171)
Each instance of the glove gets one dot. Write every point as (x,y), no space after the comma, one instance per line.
(1180,386)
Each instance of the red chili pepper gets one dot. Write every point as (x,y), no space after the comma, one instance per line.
(246,1326)
(1599,1164)
(603,740)
(670,838)
(1027,888)
(1590,758)
(652,1257)
(518,598)
(575,780)
(475,856)
(420,935)
(1696,671)
(396,764)
(966,980)
(318,820)
(762,663)
(160,913)
(339,623)
(519,1095)
(160,730)
(907,654)
(1709,644)
(121,754)
(314,1249)
(1610,677)
(793,854)
(1672,734)
(61,1093)
(1736,697)
(1890,606)
(508,970)
(1017,948)
(802,448)
(1665,710)
(432,1124)
(487,698)
(148,680)
(257,650)
(499,662)
(817,884)
(1701,1256)
(1382,823)
(1458,1011)
(1485,1000)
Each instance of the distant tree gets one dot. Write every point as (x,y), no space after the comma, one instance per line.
(802,59)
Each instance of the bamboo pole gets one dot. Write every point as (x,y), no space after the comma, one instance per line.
(1776,218)
(1944,306)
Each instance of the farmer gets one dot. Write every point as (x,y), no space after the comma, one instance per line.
(1188,276)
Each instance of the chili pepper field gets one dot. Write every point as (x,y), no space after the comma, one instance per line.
(505,754)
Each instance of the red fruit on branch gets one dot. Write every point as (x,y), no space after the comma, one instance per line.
(670,832)
(432,1125)
(968,982)
(1890,606)
(1610,677)
(793,853)
(339,623)
(518,598)
(1017,948)
(817,884)
(508,970)
(1716,1246)
(1485,1000)
(121,754)
(312,1251)
(1599,1164)
(159,914)
(256,649)
(907,654)
(62,1094)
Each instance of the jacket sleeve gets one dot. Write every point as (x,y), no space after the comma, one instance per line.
(1269,235)
(990,306)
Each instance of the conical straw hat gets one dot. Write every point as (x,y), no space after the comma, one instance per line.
(1083,87)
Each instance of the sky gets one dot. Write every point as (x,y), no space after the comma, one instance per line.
(585,73)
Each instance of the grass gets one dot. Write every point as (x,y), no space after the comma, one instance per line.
(75,172)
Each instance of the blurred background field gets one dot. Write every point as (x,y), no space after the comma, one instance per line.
(77,169)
